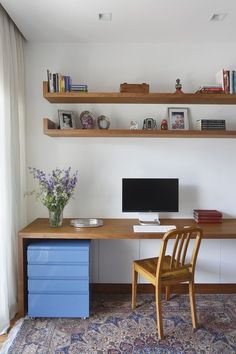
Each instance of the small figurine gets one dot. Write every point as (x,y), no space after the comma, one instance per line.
(164,124)
(178,86)
(133,125)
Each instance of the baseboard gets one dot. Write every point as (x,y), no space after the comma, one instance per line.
(177,289)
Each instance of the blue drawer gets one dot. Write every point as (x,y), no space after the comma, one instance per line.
(58,278)
(58,305)
(58,271)
(57,285)
(69,251)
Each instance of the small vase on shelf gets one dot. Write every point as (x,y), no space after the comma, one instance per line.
(55,218)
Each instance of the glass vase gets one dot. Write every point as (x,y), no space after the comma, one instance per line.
(55,218)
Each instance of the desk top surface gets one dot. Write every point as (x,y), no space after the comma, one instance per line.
(123,229)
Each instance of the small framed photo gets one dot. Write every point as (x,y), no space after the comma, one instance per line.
(66,119)
(178,118)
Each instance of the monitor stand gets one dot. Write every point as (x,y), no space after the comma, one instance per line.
(149,218)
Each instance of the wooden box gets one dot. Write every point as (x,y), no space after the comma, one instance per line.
(136,88)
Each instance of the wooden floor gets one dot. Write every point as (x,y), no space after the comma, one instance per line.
(3,337)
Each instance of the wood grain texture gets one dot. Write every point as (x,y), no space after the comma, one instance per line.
(49,128)
(122,229)
(110,288)
(136,98)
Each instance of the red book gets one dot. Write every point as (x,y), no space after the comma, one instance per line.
(203,216)
(206,219)
(210,221)
(207,212)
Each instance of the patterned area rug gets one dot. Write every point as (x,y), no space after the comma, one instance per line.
(113,328)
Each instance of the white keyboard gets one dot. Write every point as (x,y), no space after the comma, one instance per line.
(153,228)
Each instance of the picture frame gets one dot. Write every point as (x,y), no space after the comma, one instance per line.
(66,119)
(178,118)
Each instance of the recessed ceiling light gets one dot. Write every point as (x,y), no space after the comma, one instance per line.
(217,17)
(107,16)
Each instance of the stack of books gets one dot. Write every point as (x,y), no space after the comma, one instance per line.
(79,87)
(207,216)
(58,82)
(210,124)
(63,83)
(211,89)
(227,80)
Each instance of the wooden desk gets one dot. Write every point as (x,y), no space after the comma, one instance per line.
(112,229)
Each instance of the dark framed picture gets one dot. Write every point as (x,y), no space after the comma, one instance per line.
(66,119)
(178,118)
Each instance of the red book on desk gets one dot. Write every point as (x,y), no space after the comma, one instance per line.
(206,221)
(207,212)
(213,217)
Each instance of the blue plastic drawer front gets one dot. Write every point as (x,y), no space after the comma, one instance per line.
(62,256)
(59,244)
(58,278)
(58,271)
(54,285)
(58,305)
(70,251)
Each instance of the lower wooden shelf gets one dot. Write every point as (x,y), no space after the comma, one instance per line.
(50,129)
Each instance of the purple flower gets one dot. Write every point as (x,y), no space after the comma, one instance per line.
(56,188)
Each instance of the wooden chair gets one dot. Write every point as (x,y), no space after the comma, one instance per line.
(168,270)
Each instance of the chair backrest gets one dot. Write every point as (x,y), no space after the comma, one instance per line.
(177,259)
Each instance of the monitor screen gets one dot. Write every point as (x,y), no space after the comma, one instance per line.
(150,194)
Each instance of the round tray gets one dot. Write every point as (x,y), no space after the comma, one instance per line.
(86,222)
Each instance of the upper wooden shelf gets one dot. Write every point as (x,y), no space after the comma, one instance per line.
(148,98)
(50,129)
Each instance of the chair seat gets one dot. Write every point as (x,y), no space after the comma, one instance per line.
(148,268)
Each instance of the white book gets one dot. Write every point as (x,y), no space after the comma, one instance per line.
(220,78)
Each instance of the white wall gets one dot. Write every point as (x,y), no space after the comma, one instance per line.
(205,167)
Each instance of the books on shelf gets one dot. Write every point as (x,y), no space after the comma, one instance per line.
(63,83)
(210,124)
(210,89)
(207,216)
(58,82)
(227,79)
(79,87)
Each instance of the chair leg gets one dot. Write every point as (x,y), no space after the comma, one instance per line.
(134,286)
(159,312)
(167,293)
(193,304)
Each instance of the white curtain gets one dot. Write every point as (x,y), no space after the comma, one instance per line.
(12,162)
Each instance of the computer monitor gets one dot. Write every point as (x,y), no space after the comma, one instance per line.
(150,196)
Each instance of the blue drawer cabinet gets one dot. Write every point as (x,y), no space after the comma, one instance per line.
(58,278)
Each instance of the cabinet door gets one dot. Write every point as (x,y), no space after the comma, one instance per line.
(115,260)
(228,261)
(148,249)
(208,262)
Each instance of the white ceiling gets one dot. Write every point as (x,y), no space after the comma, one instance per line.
(132,20)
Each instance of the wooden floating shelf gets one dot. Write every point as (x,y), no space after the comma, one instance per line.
(136,98)
(50,129)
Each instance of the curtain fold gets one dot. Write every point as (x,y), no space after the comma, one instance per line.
(12,162)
